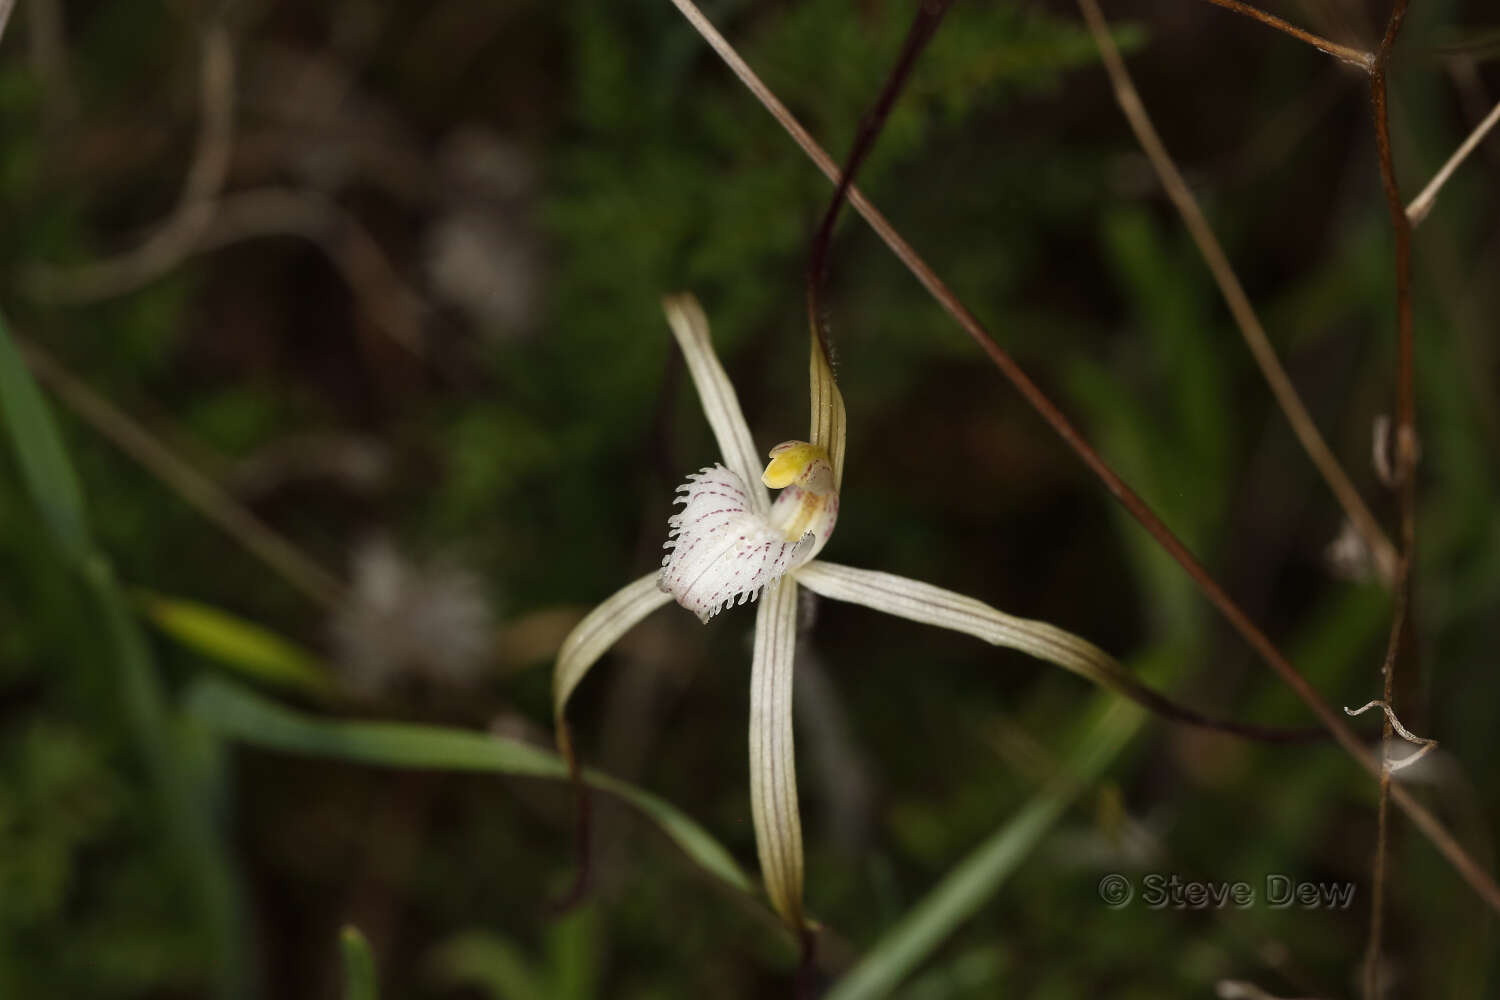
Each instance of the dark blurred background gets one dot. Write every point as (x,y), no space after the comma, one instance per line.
(389,275)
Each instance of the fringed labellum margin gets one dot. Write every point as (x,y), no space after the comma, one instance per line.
(722,552)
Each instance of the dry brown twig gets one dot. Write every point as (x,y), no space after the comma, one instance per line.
(380,292)
(46,42)
(1422,203)
(203,220)
(6,6)
(1404,469)
(1479,880)
(171,241)
(1373,63)
(391,305)
(197,490)
(1343,53)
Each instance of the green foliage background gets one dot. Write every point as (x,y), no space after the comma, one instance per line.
(541,455)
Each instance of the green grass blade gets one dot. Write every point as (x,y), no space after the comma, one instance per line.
(359,965)
(53,485)
(251,649)
(45,467)
(210,873)
(979,876)
(238,714)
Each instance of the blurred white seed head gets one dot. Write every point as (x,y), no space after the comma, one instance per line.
(405,622)
(483,254)
(1348,557)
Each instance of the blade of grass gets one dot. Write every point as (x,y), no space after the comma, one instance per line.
(251,649)
(979,876)
(359,965)
(237,714)
(43,459)
(484,963)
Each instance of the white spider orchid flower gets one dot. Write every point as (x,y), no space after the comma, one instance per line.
(730,544)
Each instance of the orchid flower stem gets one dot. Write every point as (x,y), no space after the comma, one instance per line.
(583,825)
(924,25)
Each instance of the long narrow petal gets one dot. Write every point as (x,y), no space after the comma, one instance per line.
(829,422)
(599,630)
(773,767)
(922,602)
(720,404)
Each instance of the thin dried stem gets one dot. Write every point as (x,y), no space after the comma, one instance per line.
(6,6)
(195,489)
(1382,551)
(1382,808)
(1422,203)
(174,238)
(203,220)
(1404,471)
(388,301)
(1371,977)
(47,41)
(393,307)
(928,17)
(1444,841)
(1343,53)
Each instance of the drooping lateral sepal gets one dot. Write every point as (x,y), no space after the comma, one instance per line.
(773,761)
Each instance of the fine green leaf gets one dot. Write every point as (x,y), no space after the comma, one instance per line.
(359,965)
(238,714)
(253,650)
(979,876)
(45,467)
(54,487)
